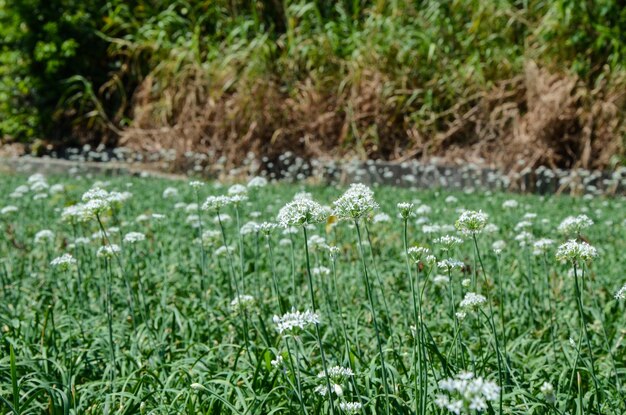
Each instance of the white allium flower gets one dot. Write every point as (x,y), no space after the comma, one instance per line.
(355,203)
(249,228)
(40,196)
(460,315)
(267,227)
(316,241)
(429,260)
(215,203)
(448,242)
(381,218)
(323,389)
(118,198)
(39,187)
(431,229)
(95,194)
(257,182)
(196,184)
(423,210)
(573,251)
(405,209)
(471,222)
(224,217)
(277,362)
(574,224)
(223,251)
(466,394)
(303,195)
(466,282)
(57,188)
(157,216)
(44,235)
(350,407)
(472,300)
(237,190)
(491,228)
(108,251)
(8,209)
(417,252)
(524,238)
(523,225)
(191,208)
(144,217)
(134,237)
(449,264)
(295,320)
(498,246)
(284,242)
(336,373)
(82,241)
(333,251)
(95,207)
(621,293)
(510,204)
(451,200)
(323,271)
(542,246)
(170,193)
(241,302)
(301,212)
(548,392)
(64,262)
(36,177)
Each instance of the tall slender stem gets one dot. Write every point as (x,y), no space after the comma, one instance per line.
(368,290)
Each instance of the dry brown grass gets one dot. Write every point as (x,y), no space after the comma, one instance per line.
(541,117)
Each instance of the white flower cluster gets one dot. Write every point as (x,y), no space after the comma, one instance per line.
(524,239)
(573,251)
(301,212)
(498,246)
(448,265)
(417,252)
(134,237)
(541,246)
(215,203)
(381,218)
(472,301)
(405,209)
(108,251)
(471,222)
(548,392)
(350,407)
(257,182)
(170,193)
(448,242)
(337,373)
(510,204)
(355,203)
(44,235)
(249,228)
(64,262)
(574,224)
(466,393)
(621,293)
(295,320)
(8,209)
(242,302)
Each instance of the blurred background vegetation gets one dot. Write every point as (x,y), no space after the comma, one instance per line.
(475,79)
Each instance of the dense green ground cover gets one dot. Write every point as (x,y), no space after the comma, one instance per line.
(151,328)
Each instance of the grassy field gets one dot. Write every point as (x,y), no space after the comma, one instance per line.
(428,309)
